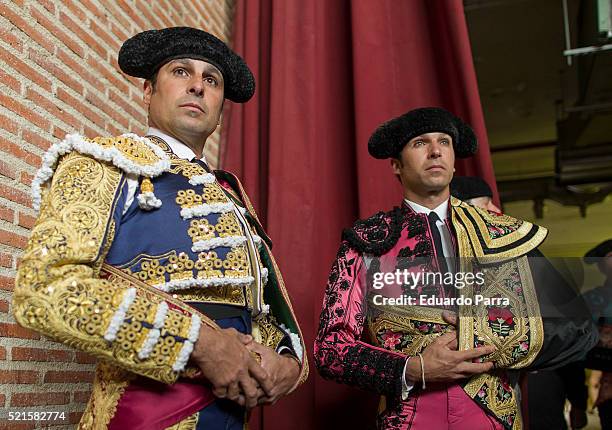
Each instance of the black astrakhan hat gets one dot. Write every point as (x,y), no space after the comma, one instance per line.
(143,54)
(469,187)
(390,138)
(600,251)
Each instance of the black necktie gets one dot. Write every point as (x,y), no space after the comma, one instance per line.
(432,218)
(201,163)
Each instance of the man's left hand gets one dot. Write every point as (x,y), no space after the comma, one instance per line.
(282,370)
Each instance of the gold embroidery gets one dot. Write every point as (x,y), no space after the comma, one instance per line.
(225,294)
(181,267)
(188,423)
(479,233)
(135,151)
(211,194)
(108,387)
(267,333)
(227,226)
(488,386)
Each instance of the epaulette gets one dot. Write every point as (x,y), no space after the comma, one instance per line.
(129,152)
(497,237)
(376,234)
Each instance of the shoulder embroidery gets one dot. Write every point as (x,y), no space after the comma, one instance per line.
(129,152)
(497,237)
(376,234)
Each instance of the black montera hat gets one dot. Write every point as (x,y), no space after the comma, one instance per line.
(598,252)
(469,187)
(390,138)
(143,54)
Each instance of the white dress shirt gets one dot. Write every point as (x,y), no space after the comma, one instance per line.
(447,248)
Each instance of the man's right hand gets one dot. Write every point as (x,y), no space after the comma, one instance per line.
(229,366)
(443,362)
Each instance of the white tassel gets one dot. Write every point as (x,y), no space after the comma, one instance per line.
(147,201)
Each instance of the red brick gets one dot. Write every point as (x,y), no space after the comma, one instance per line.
(8,124)
(15,150)
(72,101)
(7,170)
(18,376)
(84,358)
(89,131)
(74,417)
(4,306)
(116,98)
(25,70)
(24,26)
(80,69)
(59,133)
(10,81)
(57,376)
(117,116)
(15,195)
(8,36)
(81,396)
(2,353)
(104,34)
(47,63)
(24,111)
(14,425)
(48,4)
(26,221)
(83,35)
(7,283)
(129,10)
(6,260)
(52,108)
(57,32)
(115,78)
(19,353)
(75,9)
(153,18)
(39,399)
(7,214)
(15,330)
(119,32)
(26,179)
(2,400)
(100,15)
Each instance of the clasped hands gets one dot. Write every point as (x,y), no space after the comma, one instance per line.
(442,362)
(226,359)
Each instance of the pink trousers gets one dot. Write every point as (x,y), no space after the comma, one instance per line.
(440,407)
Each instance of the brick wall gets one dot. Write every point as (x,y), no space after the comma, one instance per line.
(59,74)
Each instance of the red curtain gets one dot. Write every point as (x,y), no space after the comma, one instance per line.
(328,73)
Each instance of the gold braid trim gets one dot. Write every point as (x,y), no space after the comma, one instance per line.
(108,387)
(493,237)
(58,291)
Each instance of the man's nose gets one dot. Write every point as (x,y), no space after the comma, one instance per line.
(435,150)
(196,87)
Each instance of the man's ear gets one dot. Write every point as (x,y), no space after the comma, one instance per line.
(147,91)
(396,165)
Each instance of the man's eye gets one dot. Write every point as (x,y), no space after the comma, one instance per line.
(418,143)
(180,72)
(211,81)
(445,142)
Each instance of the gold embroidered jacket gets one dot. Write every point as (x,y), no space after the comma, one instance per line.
(134,316)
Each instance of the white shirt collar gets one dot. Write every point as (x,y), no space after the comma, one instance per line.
(441,210)
(179,148)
